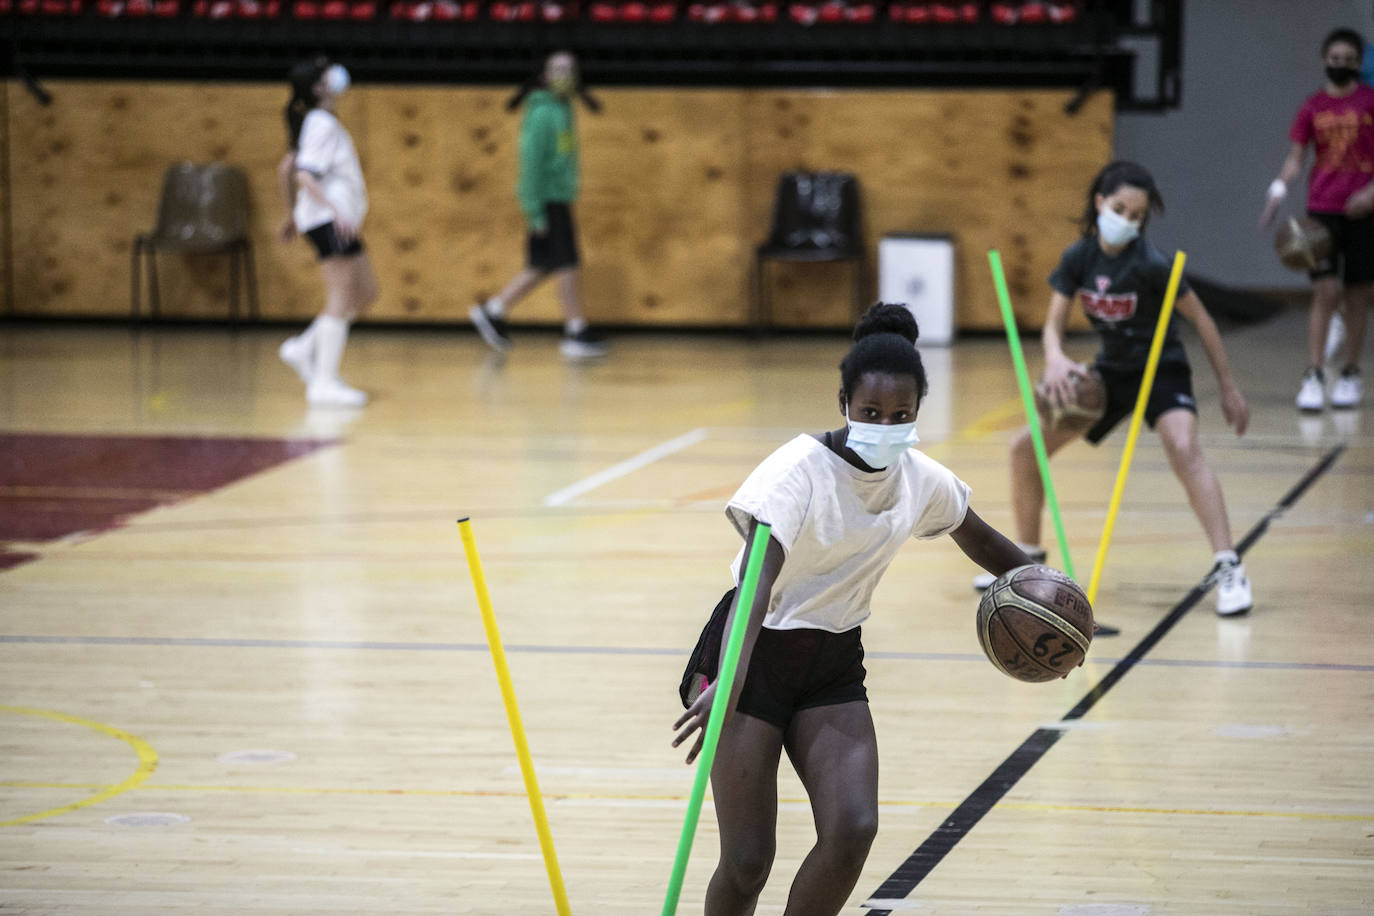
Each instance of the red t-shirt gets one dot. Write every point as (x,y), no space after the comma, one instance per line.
(1342,131)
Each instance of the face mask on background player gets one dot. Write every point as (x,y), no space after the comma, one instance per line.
(1114,228)
(337,80)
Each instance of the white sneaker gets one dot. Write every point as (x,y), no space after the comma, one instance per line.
(334,393)
(300,356)
(1335,336)
(585,344)
(1312,394)
(493,330)
(1233,589)
(1348,390)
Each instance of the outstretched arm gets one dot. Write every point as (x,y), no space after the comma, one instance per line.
(1278,190)
(699,712)
(1233,406)
(1059,369)
(988,547)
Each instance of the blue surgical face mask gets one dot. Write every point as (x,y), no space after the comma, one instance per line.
(337,80)
(881,444)
(1116,229)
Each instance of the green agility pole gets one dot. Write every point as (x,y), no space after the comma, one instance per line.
(724,684)
(1018,360)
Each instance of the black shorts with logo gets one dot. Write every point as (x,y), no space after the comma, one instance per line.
(790,670)
(1173,388)
(556,249)
(328,244)
(1352,248)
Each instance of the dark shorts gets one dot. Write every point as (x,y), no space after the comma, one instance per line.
(1173,388)
(790,670)
(328,244)
(556,249)
(1352,249)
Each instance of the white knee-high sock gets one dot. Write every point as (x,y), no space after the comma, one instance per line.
(331,336)
(307,336)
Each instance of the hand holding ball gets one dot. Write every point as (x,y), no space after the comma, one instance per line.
(1035,623)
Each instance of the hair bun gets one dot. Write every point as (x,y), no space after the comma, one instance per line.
(888,318)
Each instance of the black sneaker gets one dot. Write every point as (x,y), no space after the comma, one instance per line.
(492,329)
(583,345)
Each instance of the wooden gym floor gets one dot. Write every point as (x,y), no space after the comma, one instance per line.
(242,668)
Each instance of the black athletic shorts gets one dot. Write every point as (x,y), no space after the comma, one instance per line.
(1352,249)
(328,244)
(1173,388)
(790,670)
(556,249)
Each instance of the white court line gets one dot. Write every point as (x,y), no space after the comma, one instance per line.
(418,853)
(891,903)
(628,466)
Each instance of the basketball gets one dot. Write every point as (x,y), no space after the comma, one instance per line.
(1088,404)
(1035,623)
(1302,243)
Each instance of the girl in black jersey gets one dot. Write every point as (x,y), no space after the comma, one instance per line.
(1118,278)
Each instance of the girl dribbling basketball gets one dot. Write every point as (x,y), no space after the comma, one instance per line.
(1119,280)
(840,504)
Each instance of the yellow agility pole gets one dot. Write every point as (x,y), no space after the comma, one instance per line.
(1143,398)
(517,731)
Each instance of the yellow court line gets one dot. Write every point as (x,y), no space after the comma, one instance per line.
(147,763)
(593,796)
(994,420)
(988,422)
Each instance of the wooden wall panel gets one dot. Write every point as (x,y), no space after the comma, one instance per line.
(6,252)
(677,191)
(994,169)
(86,173)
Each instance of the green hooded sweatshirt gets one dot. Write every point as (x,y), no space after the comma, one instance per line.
(548,156)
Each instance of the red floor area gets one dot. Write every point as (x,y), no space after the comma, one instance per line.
(56,486)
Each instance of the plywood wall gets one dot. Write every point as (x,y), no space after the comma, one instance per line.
(677,191)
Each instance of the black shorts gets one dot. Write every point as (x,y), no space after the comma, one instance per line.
(328,244)
(556,249)
(1352,249)
(1173,388)
(790,670)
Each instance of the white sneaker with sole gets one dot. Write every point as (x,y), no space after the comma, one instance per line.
(300,356)
(493,330)
(1233,589)
(585,344)
(1312,394)
(334,393)
(1348,390)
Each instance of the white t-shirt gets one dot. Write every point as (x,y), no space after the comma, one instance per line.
(326,151)
(840,527)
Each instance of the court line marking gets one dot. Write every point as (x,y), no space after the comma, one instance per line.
(147,763)
(650,800)
(628,466)
(647,651)
(990,792)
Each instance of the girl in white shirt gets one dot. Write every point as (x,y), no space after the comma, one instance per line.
(840,505)
(322,182)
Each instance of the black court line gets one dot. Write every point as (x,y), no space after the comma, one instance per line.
(955,827)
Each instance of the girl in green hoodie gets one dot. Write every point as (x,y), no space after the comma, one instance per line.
(546,190)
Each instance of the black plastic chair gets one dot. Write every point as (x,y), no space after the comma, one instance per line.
(817,218)
(204,210)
